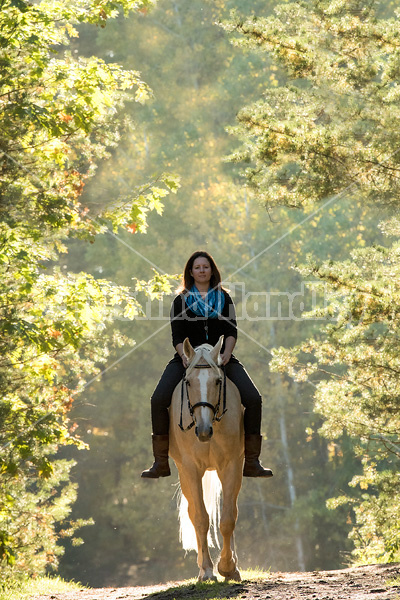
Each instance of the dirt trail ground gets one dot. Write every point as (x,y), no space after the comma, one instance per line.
(373,582)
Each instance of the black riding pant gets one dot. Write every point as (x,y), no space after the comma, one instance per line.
(235,371)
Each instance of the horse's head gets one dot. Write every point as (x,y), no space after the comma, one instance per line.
(203,378)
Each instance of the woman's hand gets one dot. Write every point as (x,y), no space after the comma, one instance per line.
(179,349)
(227,353)
(225,357)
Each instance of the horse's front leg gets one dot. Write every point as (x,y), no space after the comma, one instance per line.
(231,480)
(190,479)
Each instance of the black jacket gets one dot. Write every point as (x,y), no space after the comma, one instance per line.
(199,330)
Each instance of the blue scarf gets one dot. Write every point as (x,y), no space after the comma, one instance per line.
(209,307)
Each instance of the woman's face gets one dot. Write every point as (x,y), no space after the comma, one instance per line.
(201,270)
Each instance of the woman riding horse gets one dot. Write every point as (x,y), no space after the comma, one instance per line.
(202,312)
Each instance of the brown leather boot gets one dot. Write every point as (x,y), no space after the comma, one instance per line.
(160,467)
(252,466)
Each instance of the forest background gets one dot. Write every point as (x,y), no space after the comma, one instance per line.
(346,299)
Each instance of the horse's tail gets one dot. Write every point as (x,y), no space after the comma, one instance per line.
(212,494)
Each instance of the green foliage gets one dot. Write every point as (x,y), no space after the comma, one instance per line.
(376,534)
(358,361)
(334,130)
(335,125)
(32,508)
(60,115)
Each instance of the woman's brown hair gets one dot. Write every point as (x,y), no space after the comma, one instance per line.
(187,279)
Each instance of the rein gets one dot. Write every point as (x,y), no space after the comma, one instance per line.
(222,391)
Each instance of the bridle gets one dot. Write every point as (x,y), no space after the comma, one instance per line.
(221,392)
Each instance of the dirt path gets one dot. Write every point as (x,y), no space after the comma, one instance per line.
(373,582)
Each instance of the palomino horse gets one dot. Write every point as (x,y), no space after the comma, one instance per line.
(206,434)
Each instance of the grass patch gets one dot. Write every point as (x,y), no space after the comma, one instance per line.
(204,590)
(25,589)
(395,582)
(255,574)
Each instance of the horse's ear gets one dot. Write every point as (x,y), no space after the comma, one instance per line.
(188,350)
(217,349)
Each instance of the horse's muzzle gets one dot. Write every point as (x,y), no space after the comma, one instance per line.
(204,434)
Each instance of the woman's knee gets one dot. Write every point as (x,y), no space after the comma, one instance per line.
(172,375)
(249,394)
(252,399)
(160,399)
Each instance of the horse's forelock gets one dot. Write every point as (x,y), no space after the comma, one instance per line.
(203,347)
(203,351)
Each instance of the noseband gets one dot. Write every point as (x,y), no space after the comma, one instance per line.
(222,391)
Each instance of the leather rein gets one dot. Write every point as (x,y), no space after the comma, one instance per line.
(222,391)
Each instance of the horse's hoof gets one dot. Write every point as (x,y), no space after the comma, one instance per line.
(207,577)
(233,576)
(236,576)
